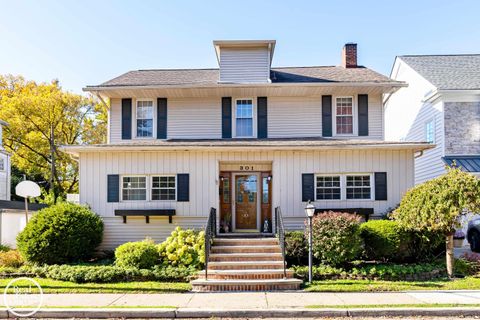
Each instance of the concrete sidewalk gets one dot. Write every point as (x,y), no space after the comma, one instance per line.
(260,300)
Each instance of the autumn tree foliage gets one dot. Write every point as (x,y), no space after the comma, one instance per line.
(42,117)
(438,204)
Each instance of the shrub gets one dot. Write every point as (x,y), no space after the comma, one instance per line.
(296,247)
(4,248)
(64,232)
(424,245)
(183,248)
(106,274)
(384,240)
(336,237)
(11,258)
(140,254)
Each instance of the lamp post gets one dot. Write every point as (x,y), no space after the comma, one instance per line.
(310,211)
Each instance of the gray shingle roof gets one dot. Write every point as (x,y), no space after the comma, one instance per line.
(166,77)
(454,72)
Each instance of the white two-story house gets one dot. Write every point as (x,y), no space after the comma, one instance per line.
(441,105)
(243,138)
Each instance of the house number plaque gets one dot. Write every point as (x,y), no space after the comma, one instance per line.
(246,168)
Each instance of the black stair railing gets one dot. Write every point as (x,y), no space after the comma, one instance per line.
(280,234)
(210,234)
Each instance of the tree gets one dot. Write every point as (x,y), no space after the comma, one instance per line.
(43,117)
(437,205)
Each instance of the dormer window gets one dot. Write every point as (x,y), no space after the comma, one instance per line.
(144,116)
(244,118)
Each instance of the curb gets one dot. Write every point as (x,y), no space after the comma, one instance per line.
(248,313)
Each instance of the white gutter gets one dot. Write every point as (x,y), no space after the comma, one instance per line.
(398,84)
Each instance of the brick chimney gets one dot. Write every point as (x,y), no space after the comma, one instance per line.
(349,55)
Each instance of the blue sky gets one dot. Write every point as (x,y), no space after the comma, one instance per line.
(88,42)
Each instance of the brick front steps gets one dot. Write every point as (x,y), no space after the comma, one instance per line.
(239,263)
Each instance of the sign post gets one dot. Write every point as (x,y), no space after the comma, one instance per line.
(27,189)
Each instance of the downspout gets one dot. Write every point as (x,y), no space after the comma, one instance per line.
(419,154)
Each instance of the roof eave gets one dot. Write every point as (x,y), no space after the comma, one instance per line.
(76,150)
(392,84)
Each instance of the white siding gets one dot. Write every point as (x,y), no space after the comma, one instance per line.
(244,65)
(203,167)
(405,118)
(5,178)
(115,121)
(194,118)
(302,117)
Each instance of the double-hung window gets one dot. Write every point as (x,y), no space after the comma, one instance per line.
(358,187)
(163,188)
(344,115)
(244,118)
(144,116)
(134,188)
(328,188)
(2,164)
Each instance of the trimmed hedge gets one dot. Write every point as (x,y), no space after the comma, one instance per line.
(62,233)
(102,274)
(409,272)
(296,247)
(384,240)
(140,254)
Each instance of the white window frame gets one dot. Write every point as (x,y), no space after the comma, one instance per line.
(254,119)
(343,185)
(354,117)
(372,185)
(425,132)
(154,115)
(329,175)
(151,186)
(134,175)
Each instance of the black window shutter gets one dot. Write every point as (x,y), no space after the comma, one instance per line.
(308,187)
(113,186)
(226,117)
(126,119)
(381,186)
(327,116)
(262,125)
(363,114)
(183,187)
(162,118)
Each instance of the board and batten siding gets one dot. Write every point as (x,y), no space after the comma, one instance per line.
(244,65)
(203,168)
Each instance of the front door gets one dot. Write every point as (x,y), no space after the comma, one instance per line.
(246,194)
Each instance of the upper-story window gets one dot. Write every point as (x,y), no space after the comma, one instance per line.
(2,164)
(144,118)
(430,131)
(344,115)
(244,118)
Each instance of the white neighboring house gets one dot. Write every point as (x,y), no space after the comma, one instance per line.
(441,105)
(244,138)
(4,167)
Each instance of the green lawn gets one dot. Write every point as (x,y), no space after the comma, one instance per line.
(56,286)
(467,283)
(369,306)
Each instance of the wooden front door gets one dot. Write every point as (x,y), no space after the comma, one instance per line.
(246,194)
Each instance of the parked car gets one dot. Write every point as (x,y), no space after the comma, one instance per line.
(473,234)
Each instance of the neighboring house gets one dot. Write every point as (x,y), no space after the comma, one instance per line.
(244,138)
(4,167)
(441,105)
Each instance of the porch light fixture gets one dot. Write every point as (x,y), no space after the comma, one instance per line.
(310,211)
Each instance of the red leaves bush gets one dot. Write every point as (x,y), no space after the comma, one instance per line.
(336,238)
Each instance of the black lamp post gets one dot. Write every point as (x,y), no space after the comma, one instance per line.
(310,211)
